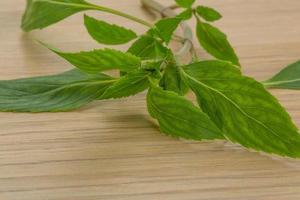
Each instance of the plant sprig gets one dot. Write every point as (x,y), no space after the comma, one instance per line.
(231,106)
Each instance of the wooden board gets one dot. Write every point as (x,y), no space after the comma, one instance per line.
(111,149)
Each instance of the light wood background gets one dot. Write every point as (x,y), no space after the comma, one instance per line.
(111,150)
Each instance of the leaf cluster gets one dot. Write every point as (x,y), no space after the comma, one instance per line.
(230,106)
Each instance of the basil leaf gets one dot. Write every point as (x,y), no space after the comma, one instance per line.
(241,107)
(106,33)
(166,27)
(207,13)
(288,78)
(186,14)
(101,60)
(42,13)
(215,43)
(147,47)
(62,92)
(173,81)
(178,117)
(128,85)
(185,3)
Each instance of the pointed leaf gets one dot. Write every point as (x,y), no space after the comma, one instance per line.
(186,14)
(42,13)
(288,78)
(63,92)
(178,117)
(185,3)
(241,107)
(146,47)
(166,27)
(106,33)
(215,43)
(128,85)
(207,13)
(101,60)
(172,80)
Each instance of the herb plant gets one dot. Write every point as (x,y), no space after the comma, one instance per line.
(231,106)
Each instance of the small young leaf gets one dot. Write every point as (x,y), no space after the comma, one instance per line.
(147,47)
(42,13)
(288,78)
(128,85)
(207,13)
(178,117)
(166,27)
(106,33)
(185,3)
(152,65)
(172,80)
(101,60)
(186,14)
(215,43)
(241,107)
(63,92)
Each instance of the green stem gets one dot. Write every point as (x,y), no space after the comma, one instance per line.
(103,9)
(276,83)
(119,13)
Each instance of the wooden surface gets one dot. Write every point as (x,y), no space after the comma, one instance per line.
(111,149)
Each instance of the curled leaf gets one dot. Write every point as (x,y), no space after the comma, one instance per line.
(172,80)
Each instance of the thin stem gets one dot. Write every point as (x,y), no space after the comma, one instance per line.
(103,9)
(119,13)
(133,18)
(275,83)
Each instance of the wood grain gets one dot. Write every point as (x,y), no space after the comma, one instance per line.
(111,149)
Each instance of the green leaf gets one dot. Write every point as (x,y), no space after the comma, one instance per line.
(288,78)
(42,13)
(215,43)
(166,27)
(178,117)
(147,47)
(173,81)
(186,14)
(241,107)
(185,3)
(128,85)
(101,60)
(62,92)
(207,13)
(106,33)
